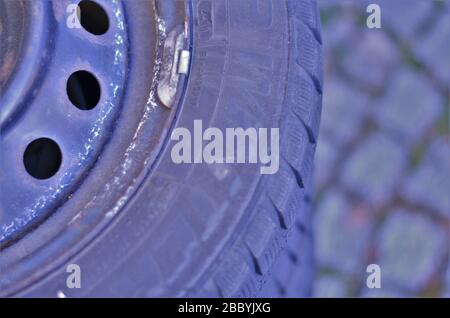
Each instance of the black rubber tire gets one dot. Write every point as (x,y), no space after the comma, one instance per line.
(197,230)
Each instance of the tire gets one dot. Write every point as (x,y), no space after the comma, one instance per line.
(197,230)
(293,273)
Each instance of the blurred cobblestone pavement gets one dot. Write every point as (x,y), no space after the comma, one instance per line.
(383,163)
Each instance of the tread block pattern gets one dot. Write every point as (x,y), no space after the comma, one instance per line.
(298,152)
(309,52)
(232,275)
(283,210)
(293,272)
(302,97)
(283,195)
(308,12)
(263,249)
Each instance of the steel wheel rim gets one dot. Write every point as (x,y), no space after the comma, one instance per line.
(82,227)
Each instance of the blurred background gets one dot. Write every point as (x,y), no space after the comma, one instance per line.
(383,164)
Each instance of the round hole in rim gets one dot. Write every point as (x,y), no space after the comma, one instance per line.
(93,17)
(83,90)
(42,158)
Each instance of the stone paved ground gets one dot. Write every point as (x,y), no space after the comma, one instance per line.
(383,163)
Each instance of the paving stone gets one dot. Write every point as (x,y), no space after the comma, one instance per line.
(341,33)
(405,17)
(434,48)
(342,232)
(382,292)
(371,59)
(343,5)
(410,247)
(326,156)
(330,286)
(375,168)
(447,279)
(439,150)
(344,111)
(410,107)
(429,184)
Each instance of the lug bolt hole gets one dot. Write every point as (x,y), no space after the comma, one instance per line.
(42,158)
(83,90)
(93,17)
